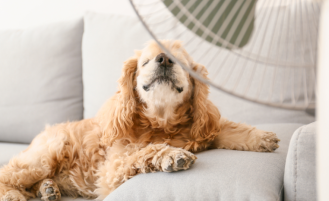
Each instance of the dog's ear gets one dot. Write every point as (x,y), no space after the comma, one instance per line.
(116,116)
(127,82)
(206,116)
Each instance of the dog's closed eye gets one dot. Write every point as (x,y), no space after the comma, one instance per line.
(146,62)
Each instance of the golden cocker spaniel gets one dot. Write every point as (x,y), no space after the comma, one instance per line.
(158,118)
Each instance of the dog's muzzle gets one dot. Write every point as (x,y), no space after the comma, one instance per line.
(164,73)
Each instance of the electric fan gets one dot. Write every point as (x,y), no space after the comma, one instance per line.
(260,50)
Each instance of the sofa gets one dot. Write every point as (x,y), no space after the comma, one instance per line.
(65,71)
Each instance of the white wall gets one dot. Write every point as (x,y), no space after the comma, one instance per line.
(26,13)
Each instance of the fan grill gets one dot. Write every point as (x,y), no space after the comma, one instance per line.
(264,51)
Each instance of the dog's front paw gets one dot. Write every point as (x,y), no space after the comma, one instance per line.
(268,142)
(175,159)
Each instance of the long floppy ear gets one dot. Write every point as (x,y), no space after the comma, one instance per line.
(116,116)
(206,116)
(127,82)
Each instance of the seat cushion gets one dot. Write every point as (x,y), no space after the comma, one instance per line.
(217,175)
(40,78)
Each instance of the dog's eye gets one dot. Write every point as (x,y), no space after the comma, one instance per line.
(145,62)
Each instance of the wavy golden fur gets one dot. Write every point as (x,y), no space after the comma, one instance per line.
(142,128)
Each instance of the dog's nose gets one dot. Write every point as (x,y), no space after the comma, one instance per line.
(164,61)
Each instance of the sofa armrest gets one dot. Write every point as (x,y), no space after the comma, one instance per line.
(299,176)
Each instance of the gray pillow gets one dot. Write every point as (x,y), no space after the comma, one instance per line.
(40,78)
(217,175)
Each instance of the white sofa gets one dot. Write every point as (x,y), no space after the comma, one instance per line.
(66,70)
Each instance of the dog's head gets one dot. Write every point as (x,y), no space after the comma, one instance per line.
(160,82)
(162,86)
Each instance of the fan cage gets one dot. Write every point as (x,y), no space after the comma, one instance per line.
(296,77)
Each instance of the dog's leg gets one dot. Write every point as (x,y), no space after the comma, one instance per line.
(36,163)
(19,175)
(244,137)
(125,162)
(16,177)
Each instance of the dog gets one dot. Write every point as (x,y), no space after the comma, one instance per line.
(157,120)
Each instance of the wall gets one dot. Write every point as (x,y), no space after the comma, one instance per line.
(25,13)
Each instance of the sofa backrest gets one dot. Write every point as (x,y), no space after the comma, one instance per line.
(40,79)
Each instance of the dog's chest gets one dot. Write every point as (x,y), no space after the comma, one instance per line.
(175,136)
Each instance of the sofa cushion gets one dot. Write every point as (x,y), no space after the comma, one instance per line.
(9,150)
(240,110)
(300,171)
(110,39)
(40,78)
(217,175)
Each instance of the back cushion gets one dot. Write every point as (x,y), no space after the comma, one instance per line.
(40,79)
(108,41)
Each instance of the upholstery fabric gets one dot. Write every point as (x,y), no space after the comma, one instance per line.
(40,76)
(217,175)
(300,171)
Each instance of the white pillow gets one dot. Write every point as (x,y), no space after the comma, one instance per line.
(40,79)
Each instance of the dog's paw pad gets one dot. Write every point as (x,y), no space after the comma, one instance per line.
(184,161)
(49,191)
(180,162)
